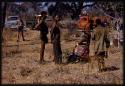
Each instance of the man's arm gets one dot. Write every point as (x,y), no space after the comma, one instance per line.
(38,24)
(93,35)
(52,32)
(93,39)
(107,40)
(52,35)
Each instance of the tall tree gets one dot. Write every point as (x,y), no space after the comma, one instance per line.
(3,15)
(4,5)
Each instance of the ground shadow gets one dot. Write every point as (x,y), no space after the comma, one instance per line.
(111,68)
(22,44)
(27,40)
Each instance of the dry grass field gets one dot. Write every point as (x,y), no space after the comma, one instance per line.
(20,63)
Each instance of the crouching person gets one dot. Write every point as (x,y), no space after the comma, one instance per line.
(55,39)
(102,43)
(82,48)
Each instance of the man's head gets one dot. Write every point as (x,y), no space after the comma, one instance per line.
(98,22)
(91,21)
(44,15)
(56,17)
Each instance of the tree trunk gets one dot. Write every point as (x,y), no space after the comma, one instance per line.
(3,16)
(4,5)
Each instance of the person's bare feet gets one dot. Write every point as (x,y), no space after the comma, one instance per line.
(42,62)
(17,40)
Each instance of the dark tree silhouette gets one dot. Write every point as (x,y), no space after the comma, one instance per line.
(3,15)
(4,5)
(34,5)
(80,6)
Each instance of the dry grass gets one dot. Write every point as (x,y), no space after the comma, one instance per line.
(21,64)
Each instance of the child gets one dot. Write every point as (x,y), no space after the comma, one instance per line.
(81,50)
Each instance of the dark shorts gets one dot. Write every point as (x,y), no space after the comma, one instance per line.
(44,38)
(20,28)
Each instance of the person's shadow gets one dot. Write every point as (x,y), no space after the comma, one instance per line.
(27,40)
(111,68)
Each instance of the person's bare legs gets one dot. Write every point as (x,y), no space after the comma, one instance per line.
(103,63)
(42,51)
(22,35)
(18,36)
(99,63)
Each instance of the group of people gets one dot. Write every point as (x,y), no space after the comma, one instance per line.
(55,37)
(98,31)
(99,36)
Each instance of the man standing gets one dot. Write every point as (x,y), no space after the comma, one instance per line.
(102,44)
(42,27)
(55,39)
(20,29)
